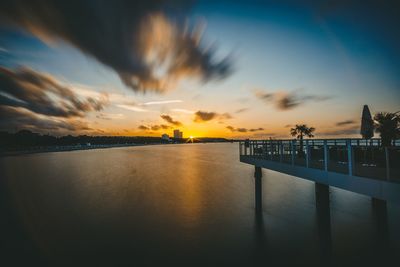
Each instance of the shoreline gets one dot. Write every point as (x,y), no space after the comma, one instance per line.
(80,147)
(67,149)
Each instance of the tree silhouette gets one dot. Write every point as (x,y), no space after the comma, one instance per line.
(300,131)
(388,126)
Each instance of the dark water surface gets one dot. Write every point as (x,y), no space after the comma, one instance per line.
(178,204)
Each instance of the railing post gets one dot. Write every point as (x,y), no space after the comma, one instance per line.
(326,155)
(293,150)
(387,163)
(350,157)
(280,151)
(270,149)
(307,154)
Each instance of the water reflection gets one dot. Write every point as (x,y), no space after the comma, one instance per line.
(323,213)
(260,236)
(380,218)
(184,205)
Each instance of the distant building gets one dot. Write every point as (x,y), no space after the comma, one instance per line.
(178,134)
(165,137)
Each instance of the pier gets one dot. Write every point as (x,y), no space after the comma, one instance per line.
(357,165)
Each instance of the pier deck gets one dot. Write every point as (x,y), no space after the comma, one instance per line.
(358,165)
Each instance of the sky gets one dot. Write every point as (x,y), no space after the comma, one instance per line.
(235,69)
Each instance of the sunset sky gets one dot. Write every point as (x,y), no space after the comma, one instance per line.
(251,69)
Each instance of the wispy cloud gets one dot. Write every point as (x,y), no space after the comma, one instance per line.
(244,130)
(346,122)
(181,110)
(284,100)
(241,110)
(161,102)
(351,130)
(3,50)
(131,108)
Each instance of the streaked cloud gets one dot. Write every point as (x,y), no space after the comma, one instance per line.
(131,108)
(44,94)
(346,122)
(17,118)
(284,100)
(161,102)
(140,40)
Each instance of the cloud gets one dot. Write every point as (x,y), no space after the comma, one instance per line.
(131,107)
(225,116)
(17,118)
(244,130)
(346,122)
(181,110)
(43,94)
(265,135)
(161,102)
(288,100)
(203,116)
(40,102)
(143,127)
(147,43)
(170,120)
(3,50)
(110,116)
(154,127)
(351,130)
(241,110)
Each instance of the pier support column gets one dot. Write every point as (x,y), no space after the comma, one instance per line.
(323,221)
(258,189)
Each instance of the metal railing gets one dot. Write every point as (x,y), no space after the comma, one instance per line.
(358,157)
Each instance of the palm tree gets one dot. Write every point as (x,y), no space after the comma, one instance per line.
(301,130)
(388,126)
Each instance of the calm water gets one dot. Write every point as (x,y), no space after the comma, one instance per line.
(182,204)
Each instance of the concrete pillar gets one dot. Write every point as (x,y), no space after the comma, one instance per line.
(258,189)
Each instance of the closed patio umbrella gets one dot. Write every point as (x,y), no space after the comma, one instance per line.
(367,124)
(367,129)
